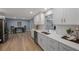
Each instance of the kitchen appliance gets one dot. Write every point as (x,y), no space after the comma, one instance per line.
(35,37)
(3,30)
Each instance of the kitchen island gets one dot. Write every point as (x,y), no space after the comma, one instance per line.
(54,42)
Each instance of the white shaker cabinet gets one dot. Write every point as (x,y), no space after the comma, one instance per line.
(36,19)
(39,19)
(46,43)
(40,40)
(63,47)
(71,16)
(42,20)
(58,14)
(66,16)
(32,34)
(50,44)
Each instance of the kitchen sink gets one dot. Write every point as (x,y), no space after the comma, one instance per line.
(45,33)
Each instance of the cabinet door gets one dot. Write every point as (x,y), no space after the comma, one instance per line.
(40,40)
(53,44)
(71,15)
(49,44)
(36,19)
(46,44)
(42,18)
(32,34)
(43,42)
(58,16)
(63,47)
(39,19)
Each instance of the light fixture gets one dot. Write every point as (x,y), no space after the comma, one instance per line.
(31,12)
(45,8)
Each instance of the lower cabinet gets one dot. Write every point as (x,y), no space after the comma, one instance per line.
(40,40)
(32,34)
(63,47)
(49,44)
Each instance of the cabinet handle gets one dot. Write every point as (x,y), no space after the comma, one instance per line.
(64,20)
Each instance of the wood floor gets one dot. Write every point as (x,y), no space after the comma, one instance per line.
(20,42)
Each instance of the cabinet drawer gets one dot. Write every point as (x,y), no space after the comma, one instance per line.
(63,47)
(53,44)
(50,44)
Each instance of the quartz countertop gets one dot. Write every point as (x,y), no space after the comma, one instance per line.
(57,37)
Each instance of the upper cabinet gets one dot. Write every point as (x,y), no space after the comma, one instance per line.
(58,14)
(71,15)
(36,19)
(39,19)
(42,21)
(66,16)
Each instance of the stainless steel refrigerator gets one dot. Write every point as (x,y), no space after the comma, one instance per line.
(3,31)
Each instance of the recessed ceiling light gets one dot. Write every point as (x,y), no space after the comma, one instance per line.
(45,8)
(31,12)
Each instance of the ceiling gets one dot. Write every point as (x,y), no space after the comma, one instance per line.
(25,13)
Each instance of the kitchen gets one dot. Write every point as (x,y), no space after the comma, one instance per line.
(50,29)
(62,31)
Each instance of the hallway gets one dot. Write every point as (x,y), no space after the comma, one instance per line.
(20,42)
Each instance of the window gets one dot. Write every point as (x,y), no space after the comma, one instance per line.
(19,24)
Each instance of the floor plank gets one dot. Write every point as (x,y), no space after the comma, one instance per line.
(20,42)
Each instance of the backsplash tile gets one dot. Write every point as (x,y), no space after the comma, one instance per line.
(61,29)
